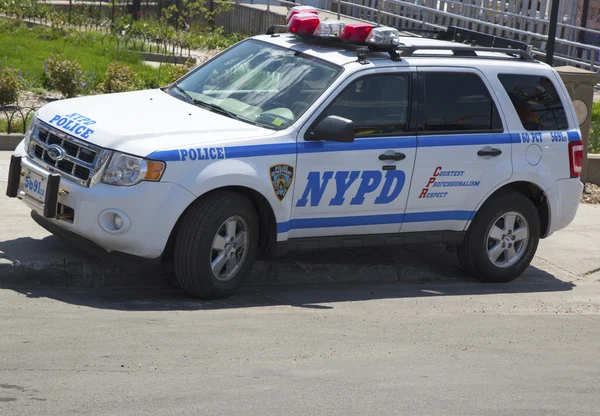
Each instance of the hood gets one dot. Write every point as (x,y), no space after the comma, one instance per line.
(142,122)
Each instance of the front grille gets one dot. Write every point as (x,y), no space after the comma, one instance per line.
(81,159)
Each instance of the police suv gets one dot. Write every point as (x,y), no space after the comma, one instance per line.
(328,135)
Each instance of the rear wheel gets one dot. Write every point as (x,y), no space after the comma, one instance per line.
(216,245)
(502,239)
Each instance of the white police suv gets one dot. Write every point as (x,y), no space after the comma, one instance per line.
(330,135)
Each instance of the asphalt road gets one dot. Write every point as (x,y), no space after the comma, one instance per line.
(455,349)
(427,342)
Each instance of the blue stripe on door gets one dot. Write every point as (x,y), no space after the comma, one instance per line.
(236,152)
(327,222)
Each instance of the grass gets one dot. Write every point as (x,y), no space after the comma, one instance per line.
(27,50)
(594,141)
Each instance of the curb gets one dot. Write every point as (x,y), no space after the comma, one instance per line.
(159,57)
(593,168)
(10,141)
(95,274)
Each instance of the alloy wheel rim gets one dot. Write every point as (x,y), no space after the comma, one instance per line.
(507,239)
(229,248)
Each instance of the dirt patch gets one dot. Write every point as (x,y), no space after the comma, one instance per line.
(591,194)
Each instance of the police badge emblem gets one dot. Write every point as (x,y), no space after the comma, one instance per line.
(281,179)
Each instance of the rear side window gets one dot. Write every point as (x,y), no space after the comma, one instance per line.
(458,102)
(536,101)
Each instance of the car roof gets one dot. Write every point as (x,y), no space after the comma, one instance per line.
(342,54)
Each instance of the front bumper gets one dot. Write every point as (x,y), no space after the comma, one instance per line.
(88,246)
(150,211)
(564,198)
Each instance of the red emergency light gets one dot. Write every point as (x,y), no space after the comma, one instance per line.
(356,32)
(300,9)
(303,24)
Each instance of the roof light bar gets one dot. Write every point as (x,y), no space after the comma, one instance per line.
(303,24)
(356,32)
(300,9)
(329,29)
(383,36)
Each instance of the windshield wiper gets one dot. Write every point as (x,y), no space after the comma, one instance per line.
(215,107)
(184,92)
(218,109)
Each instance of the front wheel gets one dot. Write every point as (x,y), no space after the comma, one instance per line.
(502,239)
(216,245)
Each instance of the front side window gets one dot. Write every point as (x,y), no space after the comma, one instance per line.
(536,101)
(458,102)
(377,104)
(258,83)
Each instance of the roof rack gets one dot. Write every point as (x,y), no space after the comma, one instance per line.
(474,38)
(464,51)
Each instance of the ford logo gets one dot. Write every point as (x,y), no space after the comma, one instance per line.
(55,152)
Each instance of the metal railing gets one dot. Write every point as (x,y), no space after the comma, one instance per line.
(14,118)
(506,23)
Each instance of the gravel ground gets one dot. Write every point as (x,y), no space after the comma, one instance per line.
(591,194)
(32,100)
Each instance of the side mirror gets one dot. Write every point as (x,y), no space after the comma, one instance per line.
(333,129)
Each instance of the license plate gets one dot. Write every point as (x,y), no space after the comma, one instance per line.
(33,185)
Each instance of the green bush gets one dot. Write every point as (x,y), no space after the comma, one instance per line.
(211,38)
(10,84)
(65,76)
(174,72)
(119,78)
(594,141)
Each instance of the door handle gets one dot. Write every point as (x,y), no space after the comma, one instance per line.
(392,156)
(492,152)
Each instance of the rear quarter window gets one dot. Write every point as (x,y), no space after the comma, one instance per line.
(536,101)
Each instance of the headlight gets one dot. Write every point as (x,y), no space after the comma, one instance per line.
(29,132)
(125,170)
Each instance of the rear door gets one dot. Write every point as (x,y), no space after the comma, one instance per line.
(463,150)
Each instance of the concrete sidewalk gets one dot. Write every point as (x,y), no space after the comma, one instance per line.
(30,256)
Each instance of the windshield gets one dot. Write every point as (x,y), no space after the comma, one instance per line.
(258,83)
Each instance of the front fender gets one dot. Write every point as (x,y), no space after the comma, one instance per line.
(239,173)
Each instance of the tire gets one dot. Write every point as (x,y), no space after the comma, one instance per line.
(491,228)
(197,237)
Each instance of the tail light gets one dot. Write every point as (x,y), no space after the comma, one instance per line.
(575,158)
(300,9)
(356,32)
(303,24)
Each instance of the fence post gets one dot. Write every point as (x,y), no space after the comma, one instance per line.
(268,5)
(552,32)
(112,12)
(69,16)
(339,8)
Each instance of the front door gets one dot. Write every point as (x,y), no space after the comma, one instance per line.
(359,187)
(463,151)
